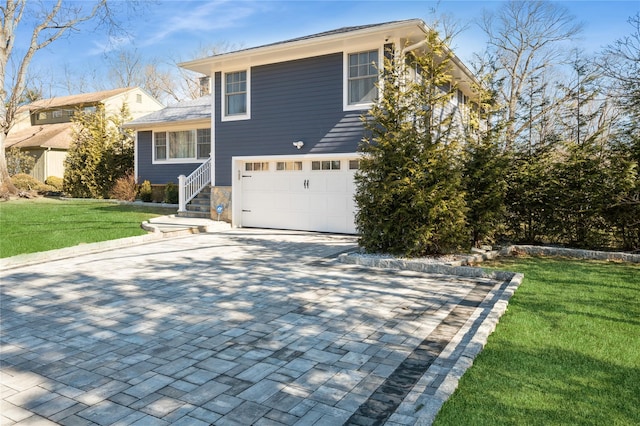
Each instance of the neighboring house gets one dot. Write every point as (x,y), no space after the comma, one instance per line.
(283,127)
(44,128)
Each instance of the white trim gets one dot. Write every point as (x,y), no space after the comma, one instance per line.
(135,155)
(181,161)
(223,97)
(413,29)
(212,155)
(346,106)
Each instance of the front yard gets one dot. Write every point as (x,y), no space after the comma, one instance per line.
(35,225)
(567,351)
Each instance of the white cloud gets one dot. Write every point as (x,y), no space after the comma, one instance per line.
(202,17)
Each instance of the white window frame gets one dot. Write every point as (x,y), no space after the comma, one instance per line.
(223,97)
(190,160)
(346,106)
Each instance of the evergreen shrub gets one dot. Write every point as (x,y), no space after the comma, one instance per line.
(171,193)
(146,193)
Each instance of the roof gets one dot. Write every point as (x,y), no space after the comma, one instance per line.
(46,136)
(343,30)
(191,110)
(84,98)
(310,43)
(356,37)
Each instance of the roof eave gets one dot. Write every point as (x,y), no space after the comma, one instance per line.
(208,64)
(156,124)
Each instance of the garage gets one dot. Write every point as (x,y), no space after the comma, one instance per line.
(306,193)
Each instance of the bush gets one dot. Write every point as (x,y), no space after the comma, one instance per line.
(19,161)
(146,193)
(25,182)
(171,193)
(54,181)
(125,188)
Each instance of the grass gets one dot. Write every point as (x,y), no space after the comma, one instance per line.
(567,351)
(29,226)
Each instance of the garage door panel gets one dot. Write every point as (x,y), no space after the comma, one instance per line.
(311,200)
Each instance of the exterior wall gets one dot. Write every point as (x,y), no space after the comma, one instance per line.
(290,101)
(48,163)
(55,163)
(158,173)
(136,109)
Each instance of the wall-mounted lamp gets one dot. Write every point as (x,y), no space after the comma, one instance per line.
(298,144)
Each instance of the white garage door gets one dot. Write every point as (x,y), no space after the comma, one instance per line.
(307,195)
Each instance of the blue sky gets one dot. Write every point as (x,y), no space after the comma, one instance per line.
(177,29)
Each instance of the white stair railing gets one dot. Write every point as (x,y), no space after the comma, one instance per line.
(190,186)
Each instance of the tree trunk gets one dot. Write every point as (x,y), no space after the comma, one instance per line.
(6,186)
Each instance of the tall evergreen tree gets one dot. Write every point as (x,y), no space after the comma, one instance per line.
(99,154)
(409,187)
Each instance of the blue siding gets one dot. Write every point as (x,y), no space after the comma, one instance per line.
(158,173)
(290,101)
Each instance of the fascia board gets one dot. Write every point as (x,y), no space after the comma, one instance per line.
(305,48)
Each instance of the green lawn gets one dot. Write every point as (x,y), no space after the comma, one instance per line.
(567,351)
(29,226)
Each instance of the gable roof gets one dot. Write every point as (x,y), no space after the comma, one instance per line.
(46,136)
(343,39)
(311,45)
(338,31)
(186,111)
(84,98)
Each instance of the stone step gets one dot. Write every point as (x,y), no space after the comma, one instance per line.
(195,214)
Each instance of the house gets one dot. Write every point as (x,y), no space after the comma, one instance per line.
(283,127)
(44,128)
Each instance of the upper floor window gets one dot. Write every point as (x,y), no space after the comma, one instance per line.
(362,76)
(236,95)
(182,145)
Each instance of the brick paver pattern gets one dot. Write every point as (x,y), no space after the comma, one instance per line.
(235,328)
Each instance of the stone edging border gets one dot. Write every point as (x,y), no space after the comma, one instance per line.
(428,394)
(416,265)
(567,252)
(68,252)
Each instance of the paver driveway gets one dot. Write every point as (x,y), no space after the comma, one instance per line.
(240,327)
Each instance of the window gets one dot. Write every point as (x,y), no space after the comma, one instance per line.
(289,165)
(354,164)
(182,145)
(138,98)
(204,143)
(57,113)
(236,95)
(160,143)
(325,165)
(362,76)
(256,167)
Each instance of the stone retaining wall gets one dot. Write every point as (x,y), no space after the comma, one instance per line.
(566,252)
